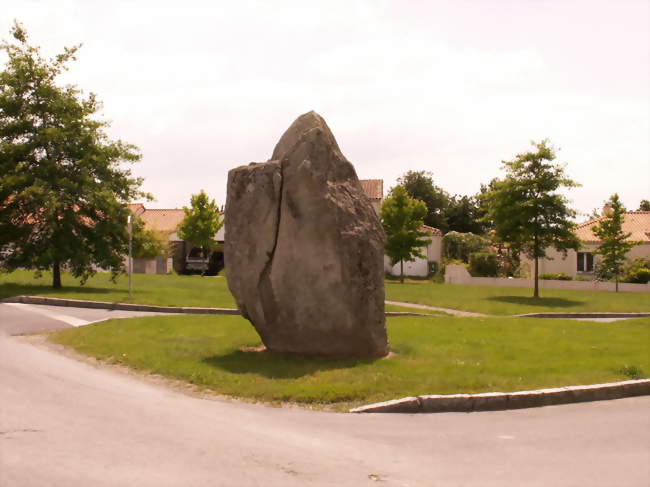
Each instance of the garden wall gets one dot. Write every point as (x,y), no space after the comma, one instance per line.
(158,265)
(457,274)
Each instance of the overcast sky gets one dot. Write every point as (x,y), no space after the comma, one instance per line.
(452,87)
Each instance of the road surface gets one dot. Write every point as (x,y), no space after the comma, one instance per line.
(68,423)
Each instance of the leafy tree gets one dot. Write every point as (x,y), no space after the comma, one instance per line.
(644,205)
(402,218)
(419,185)
(527,212)
(63,188)
(615,243)
(594,215)
(148,243)
(464,215)
(459,246)
(482,202)
(201,223)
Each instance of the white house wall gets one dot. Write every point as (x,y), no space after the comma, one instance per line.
(557,263)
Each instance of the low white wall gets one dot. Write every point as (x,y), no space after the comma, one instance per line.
(158,265)
(418,268)
(457,274)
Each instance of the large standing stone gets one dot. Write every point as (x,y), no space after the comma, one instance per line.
(304,248)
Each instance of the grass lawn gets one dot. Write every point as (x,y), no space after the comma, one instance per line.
(432,355)
(163,290)
(495,300)
(174,290)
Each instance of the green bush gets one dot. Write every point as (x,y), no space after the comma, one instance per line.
(559,276)
(483,264)
(636,271)
(639,276)
(433,268)
(459,246)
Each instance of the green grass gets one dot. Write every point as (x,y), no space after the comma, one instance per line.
(173,290)
(433,355)
(495,300)
(163,290)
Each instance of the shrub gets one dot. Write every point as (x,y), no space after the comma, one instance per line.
(560,276)
(483,264)
(636,271)
(639,276)
(459,246)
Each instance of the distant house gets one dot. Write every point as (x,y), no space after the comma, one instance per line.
(167,221)
(583,262)
(374,190)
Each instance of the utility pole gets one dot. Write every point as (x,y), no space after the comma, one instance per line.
(130,227)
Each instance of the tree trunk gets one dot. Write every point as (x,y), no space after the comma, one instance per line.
(536,291)
(401,271)
(56,275)
(616,282)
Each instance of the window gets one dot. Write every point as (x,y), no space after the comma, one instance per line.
(585,262)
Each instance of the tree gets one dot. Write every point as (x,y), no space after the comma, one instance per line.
(527,212)
(63,186)
(644,205)
(402,218)
(419,185)
(615,243)
(201,223)
(148,243)
(463,215)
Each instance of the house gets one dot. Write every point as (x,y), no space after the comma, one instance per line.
(374,190)
(582,263)
(167,221)
(420,266)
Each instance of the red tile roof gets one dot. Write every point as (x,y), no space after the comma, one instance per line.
(373,188)
(635,222)
(431,230)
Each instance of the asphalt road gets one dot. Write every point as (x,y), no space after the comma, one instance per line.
(68,423)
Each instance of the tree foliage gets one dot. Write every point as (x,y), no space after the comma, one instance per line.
(402,217)
(457,213)
(420,186)
(527,211)
(614,242)
(148,243)
(63,184)
(644,205)
(459,246)
(201,223)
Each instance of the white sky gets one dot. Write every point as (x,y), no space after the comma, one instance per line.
(452,87)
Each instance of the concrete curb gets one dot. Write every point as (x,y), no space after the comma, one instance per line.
(495,401)
(584,315)
(80,303)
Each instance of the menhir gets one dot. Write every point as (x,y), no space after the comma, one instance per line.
(304,248)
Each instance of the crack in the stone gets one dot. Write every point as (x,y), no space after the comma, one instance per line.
(263,282)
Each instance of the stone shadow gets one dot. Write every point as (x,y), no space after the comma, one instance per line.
(529,301)
(275,365)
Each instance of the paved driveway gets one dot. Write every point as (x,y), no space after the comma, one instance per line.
(68,423)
